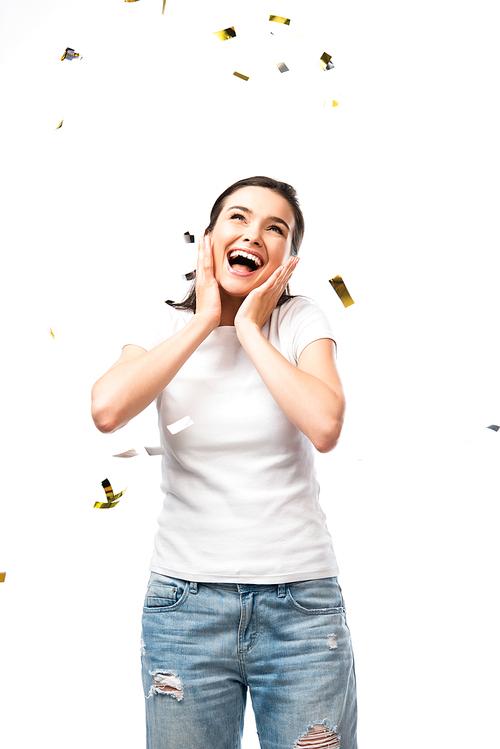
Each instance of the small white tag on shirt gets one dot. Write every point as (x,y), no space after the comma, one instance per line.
(178,426)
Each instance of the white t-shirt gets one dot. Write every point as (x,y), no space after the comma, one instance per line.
(241,496)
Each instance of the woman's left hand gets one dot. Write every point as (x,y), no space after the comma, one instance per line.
(259,304)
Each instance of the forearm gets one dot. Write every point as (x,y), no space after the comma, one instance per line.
(314,407)
(130,386)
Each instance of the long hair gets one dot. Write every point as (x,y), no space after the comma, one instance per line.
(283,189)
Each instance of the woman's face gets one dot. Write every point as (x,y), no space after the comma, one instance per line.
(251,238)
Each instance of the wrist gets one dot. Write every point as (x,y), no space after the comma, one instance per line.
(204,322)
(246,329)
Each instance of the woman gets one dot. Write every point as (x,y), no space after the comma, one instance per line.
(243,589)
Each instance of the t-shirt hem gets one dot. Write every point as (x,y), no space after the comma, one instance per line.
(288,577)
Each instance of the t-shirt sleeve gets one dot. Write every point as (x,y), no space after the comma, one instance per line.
(302,323)
(154,326)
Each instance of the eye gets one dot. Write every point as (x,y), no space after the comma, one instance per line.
(237,215)
(278,229)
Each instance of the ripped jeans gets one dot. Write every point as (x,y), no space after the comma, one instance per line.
(205,644)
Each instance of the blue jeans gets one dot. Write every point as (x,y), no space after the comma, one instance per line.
(204,644)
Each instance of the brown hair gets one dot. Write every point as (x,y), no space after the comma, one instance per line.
(283,189)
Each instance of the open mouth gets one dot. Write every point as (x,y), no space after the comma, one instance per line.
(244,262)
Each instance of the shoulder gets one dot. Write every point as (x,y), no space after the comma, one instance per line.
(296,324)
(154,323)
(299,309)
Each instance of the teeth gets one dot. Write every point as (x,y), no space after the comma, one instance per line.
(240,253)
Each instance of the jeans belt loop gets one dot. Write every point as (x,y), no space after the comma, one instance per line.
(281,590)
(193,588)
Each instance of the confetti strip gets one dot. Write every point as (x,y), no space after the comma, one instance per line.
(127,454)
(341,290)
(189,238)
(60,125)
(2,577)
(325,61)
(225,34)
(52,334)
(494,427)
(334,103)
(154,450)
(240,75)
(163,11)
(178,426)
(282,67)
(280,19)
(70,54)
(130,1)
(189,276)
(112,498)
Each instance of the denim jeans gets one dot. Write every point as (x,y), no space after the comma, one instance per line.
(205,644)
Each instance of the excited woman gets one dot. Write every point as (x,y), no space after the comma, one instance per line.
(243,590)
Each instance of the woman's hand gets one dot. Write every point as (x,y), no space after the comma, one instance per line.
(208,303)
(259,304)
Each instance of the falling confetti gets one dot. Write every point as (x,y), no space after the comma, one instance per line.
(127,454)
(189,276)
(189,238)
(130,1)
(70,54)
(334,103)
(2,577)
(280,19)
(282,67)
(325,61)
(52,334)
(494,427)
(163,11)
(178,426)
(341,290)
(240,75)
(112,498)
(154,450)
(60,125)
(225,34)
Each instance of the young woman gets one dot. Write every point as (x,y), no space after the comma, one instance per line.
(243,591)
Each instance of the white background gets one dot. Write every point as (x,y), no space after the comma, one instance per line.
(399,186)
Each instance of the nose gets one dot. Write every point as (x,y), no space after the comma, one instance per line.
(252,236)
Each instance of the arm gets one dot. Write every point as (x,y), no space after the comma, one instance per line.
(139,376)
(310,394)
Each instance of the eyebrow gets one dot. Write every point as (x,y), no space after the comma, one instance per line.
(276,219)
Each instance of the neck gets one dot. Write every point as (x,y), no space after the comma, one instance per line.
(230,306)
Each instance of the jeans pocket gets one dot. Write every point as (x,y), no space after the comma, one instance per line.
(322,596)
(165,593)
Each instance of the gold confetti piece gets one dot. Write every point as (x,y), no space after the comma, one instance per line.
(178,426)
(189,276)
(334,103)
(130,1)
(280,19)
(154,450)
(189,238)
(282,67)
(163,11)
(127,454)
(240,75)
(225,34)
(60,125)
(70,54)
(494,427)
(110,496)
(341,290)
(2,577)
(325,61)
(52,333)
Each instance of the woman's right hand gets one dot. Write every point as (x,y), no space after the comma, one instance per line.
(208,301)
